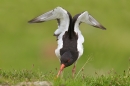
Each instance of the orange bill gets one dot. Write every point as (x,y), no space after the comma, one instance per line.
(61,68)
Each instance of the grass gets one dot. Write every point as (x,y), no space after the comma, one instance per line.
(14,77)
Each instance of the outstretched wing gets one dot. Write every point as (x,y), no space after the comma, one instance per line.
(87,18)
(56,13)
(60,14)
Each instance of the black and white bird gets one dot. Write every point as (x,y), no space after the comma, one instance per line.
(69,36)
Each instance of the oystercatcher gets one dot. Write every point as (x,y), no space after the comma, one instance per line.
(69,36)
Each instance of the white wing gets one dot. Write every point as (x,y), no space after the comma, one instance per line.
(87,18)
(84,17)
(61,15)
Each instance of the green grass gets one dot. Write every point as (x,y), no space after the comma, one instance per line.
(14,77)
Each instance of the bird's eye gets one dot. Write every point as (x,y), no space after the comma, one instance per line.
(67,60)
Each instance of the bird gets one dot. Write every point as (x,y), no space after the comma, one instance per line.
(69,37)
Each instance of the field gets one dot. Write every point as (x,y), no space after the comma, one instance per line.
(25,46)
(29,77)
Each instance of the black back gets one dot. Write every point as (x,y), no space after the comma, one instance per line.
(70,44)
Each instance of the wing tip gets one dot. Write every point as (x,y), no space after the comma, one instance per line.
(101,27)
(31,21)
(35,21)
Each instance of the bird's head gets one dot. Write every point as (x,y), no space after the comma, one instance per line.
(66,60)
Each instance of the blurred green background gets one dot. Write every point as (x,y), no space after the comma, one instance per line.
(31,46)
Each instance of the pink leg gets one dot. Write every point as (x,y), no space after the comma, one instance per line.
(73,71)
